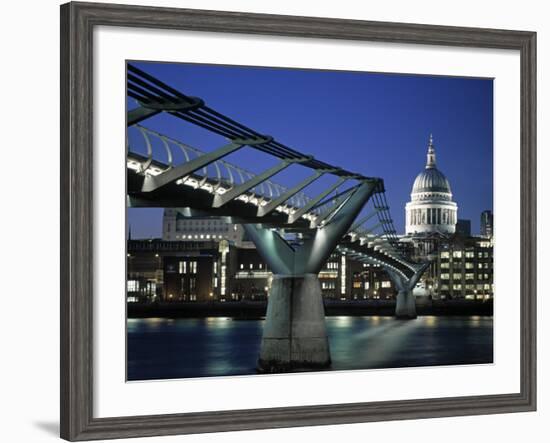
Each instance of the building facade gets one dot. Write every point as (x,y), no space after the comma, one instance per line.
(487,224)
(176,227)
(207,271)
(160,270)
(463,270)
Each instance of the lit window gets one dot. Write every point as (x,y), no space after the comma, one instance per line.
(457,254)
(386,284)
(183,267)
(133,285)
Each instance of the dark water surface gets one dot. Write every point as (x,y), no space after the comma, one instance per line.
(160,348)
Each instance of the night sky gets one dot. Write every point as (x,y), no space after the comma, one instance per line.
(374,124)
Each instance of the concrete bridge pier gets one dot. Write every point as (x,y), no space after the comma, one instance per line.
(294,335)
(405,306)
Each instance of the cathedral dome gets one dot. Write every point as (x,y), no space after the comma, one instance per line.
(431,180)
(431,208)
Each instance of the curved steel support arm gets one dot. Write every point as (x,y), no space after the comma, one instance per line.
(273,249)
(306,208)
(314,252)
(222,199)
(407,284)
(152,183)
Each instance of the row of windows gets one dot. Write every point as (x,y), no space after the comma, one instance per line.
(251,266)
(467,265)
(149,287)
(328,285)
(458,287)
(203,228)
(467,254)
(201,222)
(366,285)
(467,276)
(162,246)
(199,236)
(192,284)
(186,267)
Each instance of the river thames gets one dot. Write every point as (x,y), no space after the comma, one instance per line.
(164,348)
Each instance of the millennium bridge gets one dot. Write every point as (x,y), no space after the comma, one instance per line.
(294,231)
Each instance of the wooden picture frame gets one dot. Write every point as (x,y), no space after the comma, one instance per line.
(77,217)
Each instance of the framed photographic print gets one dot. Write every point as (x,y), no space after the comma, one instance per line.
(273,221)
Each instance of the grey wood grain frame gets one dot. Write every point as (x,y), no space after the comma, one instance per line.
(77,217)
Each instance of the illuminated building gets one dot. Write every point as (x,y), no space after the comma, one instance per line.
(431,209)
(176,227)
(463,269)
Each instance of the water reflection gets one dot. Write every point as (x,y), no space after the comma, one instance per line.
(179,348)
(430,321)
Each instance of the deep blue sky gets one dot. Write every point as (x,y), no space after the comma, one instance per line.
(374,124)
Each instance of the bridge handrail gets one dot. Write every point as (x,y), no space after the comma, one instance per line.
(271,187)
